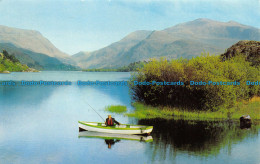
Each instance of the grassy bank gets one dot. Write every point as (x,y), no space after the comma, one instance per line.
(142,111)
(251,107)
(116,108)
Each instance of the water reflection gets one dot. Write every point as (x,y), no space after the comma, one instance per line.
(198,138)
(111,139)
(24,95)
(40,125)
(111,142)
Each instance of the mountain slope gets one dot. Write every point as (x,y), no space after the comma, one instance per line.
(35,60)
(9,63)
(30,40)
(183,40)
(33,49)
(210,31)
(81,56)
(106,56)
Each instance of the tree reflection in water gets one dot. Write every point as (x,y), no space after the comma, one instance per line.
(199,138)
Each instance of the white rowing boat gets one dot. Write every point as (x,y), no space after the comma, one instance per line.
(119,129)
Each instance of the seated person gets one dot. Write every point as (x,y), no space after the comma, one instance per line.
(111,121)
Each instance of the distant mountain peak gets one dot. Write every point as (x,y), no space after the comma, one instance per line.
(233,22)
(203,20)
(185,40)
(206,21)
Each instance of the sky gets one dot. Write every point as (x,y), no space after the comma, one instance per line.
(88,25)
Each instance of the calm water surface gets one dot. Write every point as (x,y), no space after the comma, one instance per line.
(38,124)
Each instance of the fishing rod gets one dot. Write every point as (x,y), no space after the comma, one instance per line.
(95,111)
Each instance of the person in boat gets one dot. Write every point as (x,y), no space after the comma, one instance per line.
(110,121)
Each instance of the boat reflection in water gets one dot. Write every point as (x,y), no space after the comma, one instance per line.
(112,138)
(111,142)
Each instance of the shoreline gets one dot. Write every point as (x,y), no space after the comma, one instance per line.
(143,111)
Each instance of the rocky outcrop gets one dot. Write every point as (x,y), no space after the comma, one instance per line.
(249,48)
(5,72)
(245,121)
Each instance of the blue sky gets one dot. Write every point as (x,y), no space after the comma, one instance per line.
(87,25)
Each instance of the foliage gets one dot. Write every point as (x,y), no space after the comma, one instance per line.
(101,70)
(116,108)
(10,57)
(196,97)
(10,63)
(130,68)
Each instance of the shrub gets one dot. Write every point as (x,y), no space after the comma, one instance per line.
(200,97)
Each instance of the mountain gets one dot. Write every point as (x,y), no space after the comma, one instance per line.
(81,56)
(35,60)
(108,55)
(33,49)
(30,40)
(185,40)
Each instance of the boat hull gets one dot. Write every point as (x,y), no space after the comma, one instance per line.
(119,129)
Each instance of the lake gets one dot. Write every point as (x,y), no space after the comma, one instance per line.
(39,124)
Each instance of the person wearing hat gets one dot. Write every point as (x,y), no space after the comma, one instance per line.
(110,121)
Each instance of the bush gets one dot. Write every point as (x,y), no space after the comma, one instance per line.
(10,63)
(204,68)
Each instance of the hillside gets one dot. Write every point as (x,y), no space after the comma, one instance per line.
(9,63)
(36,60)
(81,56)
(30,40)
(183,40)
(32,48)
(109,55)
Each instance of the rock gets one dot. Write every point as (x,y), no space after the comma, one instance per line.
(251,49)
(245,121)
(5,72)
